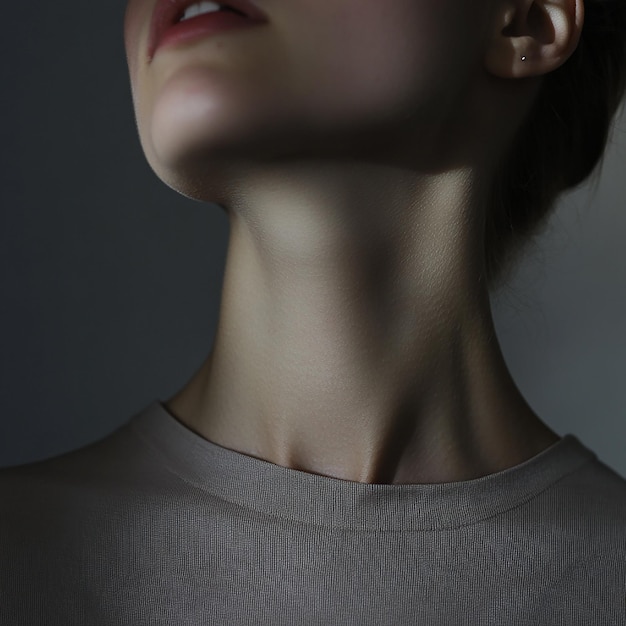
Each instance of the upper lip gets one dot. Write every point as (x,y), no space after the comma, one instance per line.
(167,13)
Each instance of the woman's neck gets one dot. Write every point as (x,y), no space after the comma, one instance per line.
(355,337)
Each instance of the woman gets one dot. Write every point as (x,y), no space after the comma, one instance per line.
(354,449)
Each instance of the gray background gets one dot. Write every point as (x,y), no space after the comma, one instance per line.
(111,280)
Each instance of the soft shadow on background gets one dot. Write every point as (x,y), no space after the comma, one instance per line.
(111,280)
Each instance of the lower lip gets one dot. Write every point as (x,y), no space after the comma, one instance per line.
(203,25)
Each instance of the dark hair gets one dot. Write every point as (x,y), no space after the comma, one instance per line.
(562,139)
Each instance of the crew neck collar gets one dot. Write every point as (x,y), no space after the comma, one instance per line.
(315,499)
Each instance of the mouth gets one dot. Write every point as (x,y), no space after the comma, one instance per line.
(168,13)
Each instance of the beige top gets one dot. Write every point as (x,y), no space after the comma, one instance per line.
(155,525)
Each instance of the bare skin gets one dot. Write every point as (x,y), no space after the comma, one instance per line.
(355,337)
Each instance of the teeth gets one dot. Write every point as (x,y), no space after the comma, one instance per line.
(199,8)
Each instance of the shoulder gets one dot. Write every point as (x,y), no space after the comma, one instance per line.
(589,506)
(54,488)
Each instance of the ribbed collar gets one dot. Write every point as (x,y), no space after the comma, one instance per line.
(311,498)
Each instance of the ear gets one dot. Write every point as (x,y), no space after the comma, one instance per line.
(545,32)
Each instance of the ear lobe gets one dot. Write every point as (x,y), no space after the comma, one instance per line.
(545,32)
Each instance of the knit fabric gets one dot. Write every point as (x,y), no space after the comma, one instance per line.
(155,525)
